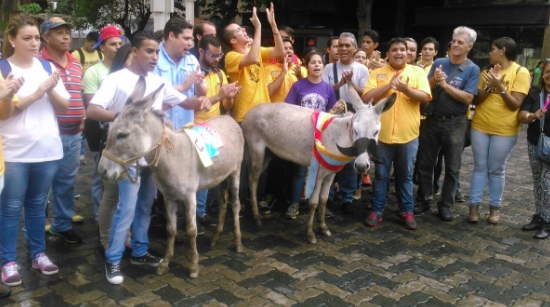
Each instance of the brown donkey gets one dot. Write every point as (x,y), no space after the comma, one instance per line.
(178,171)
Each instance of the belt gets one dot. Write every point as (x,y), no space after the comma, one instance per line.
(445,117)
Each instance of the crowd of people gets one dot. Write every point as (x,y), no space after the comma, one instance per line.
(48,93)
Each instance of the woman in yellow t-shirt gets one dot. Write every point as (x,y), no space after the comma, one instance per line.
(8,88)
(495,128)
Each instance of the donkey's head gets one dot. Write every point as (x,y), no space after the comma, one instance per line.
(133,133)
(364,128)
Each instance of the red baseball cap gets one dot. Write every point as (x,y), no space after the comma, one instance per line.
(108,32)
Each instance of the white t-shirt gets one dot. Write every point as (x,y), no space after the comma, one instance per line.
(117,87)
(360,76)
(33,135)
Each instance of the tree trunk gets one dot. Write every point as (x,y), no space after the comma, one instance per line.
(364,18)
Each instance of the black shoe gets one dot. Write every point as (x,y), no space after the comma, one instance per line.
(147,259)
(459,198)
(348,208)
(421,207)
(200,229)
(444,213)
(113,274)
(534,224)
(437,191)
(5,291)
(207,220)
(69,236)
(265,207)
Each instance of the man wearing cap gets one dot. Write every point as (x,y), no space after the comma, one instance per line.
(107,194)
(56,34)
(87,55)
(180,68)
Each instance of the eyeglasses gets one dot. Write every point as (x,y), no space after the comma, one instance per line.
(214,56)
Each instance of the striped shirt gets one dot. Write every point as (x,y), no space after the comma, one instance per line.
(71,75)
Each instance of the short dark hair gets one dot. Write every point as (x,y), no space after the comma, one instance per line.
(308,56)
(329,42)
(288,40)
(140,37)
(198,29)
(511,51)
(429,40)
(397,40)
(92,36)
(159,35)
(209,40)
(373,35)
(288,30)
(309,50)
(176,25)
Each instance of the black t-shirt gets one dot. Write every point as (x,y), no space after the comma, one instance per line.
(531,104)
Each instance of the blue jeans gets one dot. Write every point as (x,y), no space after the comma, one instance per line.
(26,185)
(97,188)
(202,196)
(83,144)
(63,183)
(133,209)
(490,155)
(347,180)
(298,178)
(402,156)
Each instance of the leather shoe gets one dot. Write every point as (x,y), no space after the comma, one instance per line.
(542,233)
(534,224)
(444,213)
(420,208)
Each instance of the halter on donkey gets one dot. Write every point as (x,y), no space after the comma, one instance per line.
(178,172)
(288,131)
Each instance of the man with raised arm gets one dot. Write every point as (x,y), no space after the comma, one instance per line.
(247,67)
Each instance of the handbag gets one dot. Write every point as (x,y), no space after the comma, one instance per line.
(542,151)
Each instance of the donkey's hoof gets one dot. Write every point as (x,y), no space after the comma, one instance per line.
(239,249)
(312,240)
(326,233)
(162,269)
(194,274)
(258,223)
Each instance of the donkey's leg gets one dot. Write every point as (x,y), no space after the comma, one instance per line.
(257,153)
(236,206)
(221,213)
(171,229)
(323,197)
(190,199)
(313,203)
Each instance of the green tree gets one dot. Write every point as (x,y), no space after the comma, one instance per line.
(131,15)
(227,10)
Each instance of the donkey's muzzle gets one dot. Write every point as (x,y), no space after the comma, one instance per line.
(359,146)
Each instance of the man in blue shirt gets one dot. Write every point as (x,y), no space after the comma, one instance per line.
(179,67)
(445,128)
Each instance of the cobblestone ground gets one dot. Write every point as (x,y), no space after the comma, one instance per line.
(441,264)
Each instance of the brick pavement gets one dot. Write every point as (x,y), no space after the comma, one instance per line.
(441,264)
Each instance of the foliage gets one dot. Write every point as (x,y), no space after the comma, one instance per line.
(227,10)
(33,8)
(131,15)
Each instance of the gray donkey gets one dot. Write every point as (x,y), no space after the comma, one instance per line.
(178,172)
(287,130)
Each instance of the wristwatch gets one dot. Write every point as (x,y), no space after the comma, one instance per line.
(504,92)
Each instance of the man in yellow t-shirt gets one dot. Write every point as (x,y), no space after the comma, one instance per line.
(398,138)
(247,67)
(282,75)
(86,55)
(8,88)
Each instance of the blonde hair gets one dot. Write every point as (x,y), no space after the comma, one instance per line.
(12,29)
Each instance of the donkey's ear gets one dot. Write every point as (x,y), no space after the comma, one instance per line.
(385,104)
(147,101)
(356,101)
(138,92)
